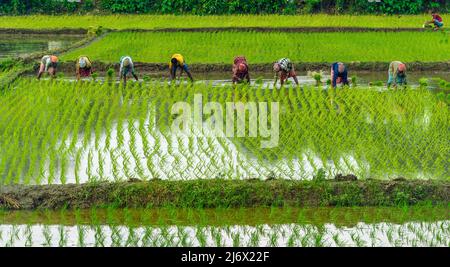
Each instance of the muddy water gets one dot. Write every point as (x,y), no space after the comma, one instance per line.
(266,80)
(14,45)
(299,227)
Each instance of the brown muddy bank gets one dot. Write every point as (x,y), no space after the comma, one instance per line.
(213,29)
(215,193)
(142,67)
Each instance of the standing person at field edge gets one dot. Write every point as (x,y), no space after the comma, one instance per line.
(48,64)
(436,21)
(338,74)
(397,74)
(285,69)
(83,67)
(177,61)
(240,70)
(126,66)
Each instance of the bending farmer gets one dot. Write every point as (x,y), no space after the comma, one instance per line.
(83,67)
(177,61)
(240,70)
(338,74)
(436,21)
(126,66)
(48,64)
(397,74)
(285,69)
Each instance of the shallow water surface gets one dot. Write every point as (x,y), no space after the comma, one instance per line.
(15,45)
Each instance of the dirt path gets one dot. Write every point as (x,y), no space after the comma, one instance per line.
(227,193)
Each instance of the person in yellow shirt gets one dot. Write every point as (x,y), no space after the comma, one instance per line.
(177,61)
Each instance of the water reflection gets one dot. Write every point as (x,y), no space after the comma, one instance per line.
(15,45)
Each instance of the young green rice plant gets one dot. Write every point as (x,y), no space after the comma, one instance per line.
(262,47)
(94,23)
(362,136)
(110,74)
(94,76)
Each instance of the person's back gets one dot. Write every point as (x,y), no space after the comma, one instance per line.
(437,17)
(240,69)
(339,74)
(179,59)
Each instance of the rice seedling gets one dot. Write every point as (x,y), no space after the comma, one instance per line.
(93,22)
(102,132)
(221,47)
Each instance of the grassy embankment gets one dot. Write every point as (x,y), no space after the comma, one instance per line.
(227,193)
(168,21)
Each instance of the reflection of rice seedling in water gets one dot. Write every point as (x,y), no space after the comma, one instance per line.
(82,132)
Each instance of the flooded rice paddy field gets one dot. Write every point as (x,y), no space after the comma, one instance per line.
(130,135)
(413,226)
(266,80)
(19,45)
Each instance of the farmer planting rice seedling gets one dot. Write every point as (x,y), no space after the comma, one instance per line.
(397,74)
(329,156)
(240,70)
(83,67)
(338,74)
(126,66)
(436,21)
(285,69)
(177,62)
(48,64)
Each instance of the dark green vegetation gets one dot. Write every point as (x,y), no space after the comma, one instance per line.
(208,7)
(215,193)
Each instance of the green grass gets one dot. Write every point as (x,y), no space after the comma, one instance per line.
(76,132)
(221,47)
(168,21)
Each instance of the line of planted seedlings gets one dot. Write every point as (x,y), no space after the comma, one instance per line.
(65,132)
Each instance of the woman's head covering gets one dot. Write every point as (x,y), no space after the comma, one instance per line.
(126,62)
(54,59)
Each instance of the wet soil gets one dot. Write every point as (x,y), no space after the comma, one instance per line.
(102,67)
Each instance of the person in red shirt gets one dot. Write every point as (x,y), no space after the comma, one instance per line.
(436,21)
(240,70)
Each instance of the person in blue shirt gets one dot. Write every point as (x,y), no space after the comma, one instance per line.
(338,74)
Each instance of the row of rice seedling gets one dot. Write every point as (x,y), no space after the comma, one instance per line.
(318,216)
(222,47)
(60,132)
(172,21)
(284,235)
